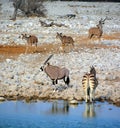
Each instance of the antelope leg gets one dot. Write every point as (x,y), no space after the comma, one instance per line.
(53,82)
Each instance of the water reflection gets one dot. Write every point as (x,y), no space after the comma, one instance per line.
(89,110)
(59,108)
(60,113)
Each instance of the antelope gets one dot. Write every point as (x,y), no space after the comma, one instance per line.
(55,73)
(65,39)
(31,39)
(90,83)
(98,30)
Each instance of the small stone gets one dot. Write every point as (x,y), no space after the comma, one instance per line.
(2,99)
(73,102)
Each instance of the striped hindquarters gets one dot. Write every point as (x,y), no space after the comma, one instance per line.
(88,81)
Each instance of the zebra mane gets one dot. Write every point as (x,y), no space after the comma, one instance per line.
(92,70)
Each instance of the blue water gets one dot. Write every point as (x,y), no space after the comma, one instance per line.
(58,114)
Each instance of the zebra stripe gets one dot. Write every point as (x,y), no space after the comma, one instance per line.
(89,83)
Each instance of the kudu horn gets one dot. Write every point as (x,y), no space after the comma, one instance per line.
(103,20)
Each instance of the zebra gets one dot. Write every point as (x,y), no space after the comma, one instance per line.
(89,83)
(89,110)
(56,73)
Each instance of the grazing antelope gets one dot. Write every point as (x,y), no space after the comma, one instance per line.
(90,83)
(98,30)
(31,39)
(65,39)
(56,73)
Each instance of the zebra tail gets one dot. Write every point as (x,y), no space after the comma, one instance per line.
(67,80)
(88,91)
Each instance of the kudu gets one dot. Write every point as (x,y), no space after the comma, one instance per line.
(98,30)
(66,40)
(31,39)
(55,73)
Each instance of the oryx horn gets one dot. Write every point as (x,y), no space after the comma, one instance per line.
(48,59)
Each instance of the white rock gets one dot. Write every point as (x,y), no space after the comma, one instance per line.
(2,99)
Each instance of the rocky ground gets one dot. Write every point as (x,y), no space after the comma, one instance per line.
(20,75)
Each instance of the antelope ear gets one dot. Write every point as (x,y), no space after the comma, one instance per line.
(97,25)
(103,22)
(41,68)
(22,35)
(100,21)
(25,34)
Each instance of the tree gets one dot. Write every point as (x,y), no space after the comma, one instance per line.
(29,8)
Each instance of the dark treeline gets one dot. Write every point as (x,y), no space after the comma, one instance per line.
(83,0)
(92,0)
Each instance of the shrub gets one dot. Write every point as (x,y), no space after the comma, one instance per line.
(29,7)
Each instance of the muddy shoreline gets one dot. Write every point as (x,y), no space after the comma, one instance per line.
(46,93)
(36,98)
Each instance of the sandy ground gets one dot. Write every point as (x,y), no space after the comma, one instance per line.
(12,51)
